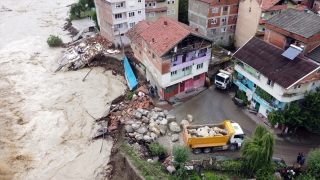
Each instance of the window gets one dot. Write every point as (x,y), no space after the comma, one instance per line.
(118,16)
(224,19)
(132,24)
(174,59)
(213,31)
(118,26)
(119,5)
(199,66)
(196,77)
(172,12)
(270,83)
(152,14)
(223,29)
(146,5)
(297,87)
(154,4)
(147,15)
(139,1)
(154,56)
(221,38)
(139,12)
(140,52)
(249,9)
(214,21)
(150,4)
(149,52)
(313,83)
(239,136)
(168,12)
(225,8)
(172,2)
(131,14)
(215,10)
(173,73)
(186,68)
(168,2)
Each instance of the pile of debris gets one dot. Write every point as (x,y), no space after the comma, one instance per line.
(80,53)
(143,121)
(207,132)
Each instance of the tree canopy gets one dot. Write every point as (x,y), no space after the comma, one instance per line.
(183,11)
(305,114)
(313,163)
(258,151)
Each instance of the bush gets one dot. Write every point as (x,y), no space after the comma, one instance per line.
(156,149)
(54,41)
(313,163)
(211,176)
(181,155)
(242,95)
(130,95)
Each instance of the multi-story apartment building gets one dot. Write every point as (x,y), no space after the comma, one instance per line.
(116,17)
(215,19)
(175,56)
(272,78)
(157,8)
(293,27)
(253,14)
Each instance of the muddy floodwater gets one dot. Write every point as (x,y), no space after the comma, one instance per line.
(45,131)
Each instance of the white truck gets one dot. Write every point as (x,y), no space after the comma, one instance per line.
(224,78)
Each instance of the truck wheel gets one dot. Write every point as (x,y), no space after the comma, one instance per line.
(232,147)
(197,151)
(207,150)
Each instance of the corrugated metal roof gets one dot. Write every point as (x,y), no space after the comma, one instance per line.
(267,59)
(315,54)
(297,22)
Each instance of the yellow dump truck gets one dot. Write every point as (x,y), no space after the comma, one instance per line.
(205,138)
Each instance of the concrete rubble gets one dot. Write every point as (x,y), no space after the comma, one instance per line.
(81,53)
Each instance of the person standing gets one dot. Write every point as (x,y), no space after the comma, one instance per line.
(299,157)
(303,159)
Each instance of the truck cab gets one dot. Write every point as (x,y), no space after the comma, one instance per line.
(223,81)
(237,138)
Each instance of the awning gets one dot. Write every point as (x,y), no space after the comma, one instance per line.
(291,53)
(129,75)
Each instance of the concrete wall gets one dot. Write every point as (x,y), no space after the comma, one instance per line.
(198,15)
(247,23)
(173,7)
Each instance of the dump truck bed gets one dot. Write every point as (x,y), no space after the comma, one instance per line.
(198,142)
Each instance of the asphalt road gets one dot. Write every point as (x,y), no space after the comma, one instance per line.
(215,105)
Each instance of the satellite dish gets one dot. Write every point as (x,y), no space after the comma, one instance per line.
(262,15)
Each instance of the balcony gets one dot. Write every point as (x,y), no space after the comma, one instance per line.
(191,62)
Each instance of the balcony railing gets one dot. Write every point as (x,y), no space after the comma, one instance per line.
(192,62)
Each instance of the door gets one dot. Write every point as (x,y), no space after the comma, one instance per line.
(182,86)
(257,106)
(184,57)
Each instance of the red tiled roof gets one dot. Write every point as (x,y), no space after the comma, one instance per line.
(267,59)
(300,7)
(134,33)
(267,4)
(166,36)
(156,9)
(278,7)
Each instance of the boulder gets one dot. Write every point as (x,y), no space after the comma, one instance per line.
(157,109)
(189,118)
(132,134)
(139,137)
(161,114)
(147,138)
(135,126)
(164,122)
(145,119)
(156,131)
(142,130)
(150,114)
(138,115)
(140,110)
(154,136)
(174,127)
(128,128)
(155,116)
(166,113)
(163,129)
(184,123)
(145,112)
(152,125)
(170,118)
(174,137)
(160,118)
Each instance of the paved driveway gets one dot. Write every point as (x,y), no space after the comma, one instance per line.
(215,105)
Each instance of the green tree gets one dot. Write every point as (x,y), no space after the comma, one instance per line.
(54,41)
(311,108)
(181,156)
(313,163)
(258,151)
(76,10)
(183,11)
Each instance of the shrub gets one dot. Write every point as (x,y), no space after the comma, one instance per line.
(54,41)
(313,163)
(156,149)
(130,95)
(181,155)
(242,95)
(211,176)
